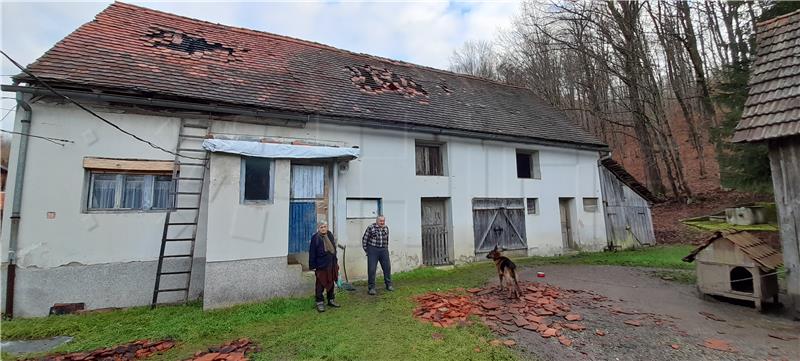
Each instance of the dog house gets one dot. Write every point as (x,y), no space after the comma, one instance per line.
(737,265)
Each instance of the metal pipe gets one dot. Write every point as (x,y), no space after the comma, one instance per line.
(16,204)
(297,117)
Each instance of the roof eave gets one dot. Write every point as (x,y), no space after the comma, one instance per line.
(293,115)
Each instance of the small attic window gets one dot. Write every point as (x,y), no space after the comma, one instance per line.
(378,81)
(190,44)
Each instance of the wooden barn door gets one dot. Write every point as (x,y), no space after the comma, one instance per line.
(434,232)
(499,221)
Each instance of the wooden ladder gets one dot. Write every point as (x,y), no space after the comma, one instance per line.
(175,260)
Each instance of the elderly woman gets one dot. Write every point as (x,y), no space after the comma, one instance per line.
(322,259)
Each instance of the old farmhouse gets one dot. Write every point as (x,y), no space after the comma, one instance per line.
(272,134)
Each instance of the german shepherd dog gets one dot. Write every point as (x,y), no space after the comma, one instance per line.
(506,269)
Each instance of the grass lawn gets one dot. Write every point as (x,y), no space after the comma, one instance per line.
(375,328)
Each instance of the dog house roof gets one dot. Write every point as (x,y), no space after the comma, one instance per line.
(754,247)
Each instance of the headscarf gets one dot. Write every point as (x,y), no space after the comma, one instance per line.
(329,247)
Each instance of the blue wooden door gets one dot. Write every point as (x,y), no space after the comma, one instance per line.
(302,225)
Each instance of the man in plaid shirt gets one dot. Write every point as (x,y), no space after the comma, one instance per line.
(376,244)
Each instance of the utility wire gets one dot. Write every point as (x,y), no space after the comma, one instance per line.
(51,140)
(7,113)
(104,120)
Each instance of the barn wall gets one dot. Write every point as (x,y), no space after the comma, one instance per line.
(625,208)
(784,156)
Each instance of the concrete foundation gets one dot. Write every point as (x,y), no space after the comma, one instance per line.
(230,283)
(98,286)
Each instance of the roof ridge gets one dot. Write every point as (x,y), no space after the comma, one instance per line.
(312,44)
(779,17)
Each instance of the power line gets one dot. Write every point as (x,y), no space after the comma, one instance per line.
(104,120)
(49,139)
(7,113)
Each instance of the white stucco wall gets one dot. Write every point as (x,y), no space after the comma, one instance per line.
(386,170)
(55,182)
(245,231)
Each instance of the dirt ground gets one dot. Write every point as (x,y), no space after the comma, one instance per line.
(666,216)
(672,327)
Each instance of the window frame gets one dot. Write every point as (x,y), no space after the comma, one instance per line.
(271,181)
(379,202)
(442,146)
(535,206)
(534,163)
(119,186)
(591,208)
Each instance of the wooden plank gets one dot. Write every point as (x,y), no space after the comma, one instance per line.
(128,165)
(784,156)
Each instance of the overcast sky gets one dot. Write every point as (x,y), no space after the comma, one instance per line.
(419,32)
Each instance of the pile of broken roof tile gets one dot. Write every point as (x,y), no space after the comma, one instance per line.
(130,351)
(540,309)
(237,350)
(444,309)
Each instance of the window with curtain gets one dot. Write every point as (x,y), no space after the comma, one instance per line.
(129,192)
(161,188)
(104,187)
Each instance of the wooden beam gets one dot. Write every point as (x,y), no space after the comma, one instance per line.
(128,165)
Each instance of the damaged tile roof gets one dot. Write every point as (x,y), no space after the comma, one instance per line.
(772,109)
(130,49)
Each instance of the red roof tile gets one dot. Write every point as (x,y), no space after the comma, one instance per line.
(133,49)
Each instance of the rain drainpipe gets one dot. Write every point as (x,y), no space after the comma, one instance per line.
(19,175)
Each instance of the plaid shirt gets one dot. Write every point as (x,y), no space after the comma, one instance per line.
(375,236)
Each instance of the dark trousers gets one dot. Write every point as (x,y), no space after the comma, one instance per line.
(375,255)
(326,281)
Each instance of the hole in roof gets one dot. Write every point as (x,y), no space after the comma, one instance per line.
(445,88)
(378,81)
(190,44)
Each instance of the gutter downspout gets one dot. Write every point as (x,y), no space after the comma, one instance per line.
(19,176)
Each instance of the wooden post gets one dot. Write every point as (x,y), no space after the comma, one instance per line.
(784,156)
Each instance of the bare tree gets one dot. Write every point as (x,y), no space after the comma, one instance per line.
(476,58)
